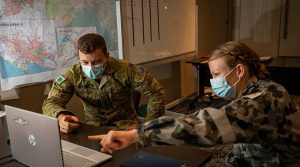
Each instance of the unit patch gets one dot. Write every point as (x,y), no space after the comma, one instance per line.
(60,79)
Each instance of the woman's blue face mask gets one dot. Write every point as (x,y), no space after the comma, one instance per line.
(94,71)
(221,87)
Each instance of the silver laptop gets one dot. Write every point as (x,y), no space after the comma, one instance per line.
(35,141)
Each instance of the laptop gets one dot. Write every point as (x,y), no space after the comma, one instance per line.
(4,139)
(35,141)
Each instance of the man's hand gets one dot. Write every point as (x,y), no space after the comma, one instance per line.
(115,140)
(67,123)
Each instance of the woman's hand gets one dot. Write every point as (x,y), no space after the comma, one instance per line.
(115,140)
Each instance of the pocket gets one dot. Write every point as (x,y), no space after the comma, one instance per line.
(118,94)
(87,91)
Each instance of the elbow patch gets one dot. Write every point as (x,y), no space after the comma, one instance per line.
(55,93)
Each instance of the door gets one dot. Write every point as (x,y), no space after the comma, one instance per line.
(257,24)
(289,29)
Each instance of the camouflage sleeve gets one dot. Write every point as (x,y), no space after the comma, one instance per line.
(143,82)
(198,129)
(59,95)
(249,119)
(262,117)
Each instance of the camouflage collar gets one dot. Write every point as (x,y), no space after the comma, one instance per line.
(252,86)
(110,65)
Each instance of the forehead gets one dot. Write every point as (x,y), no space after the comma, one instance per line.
(97,54)
(218,65)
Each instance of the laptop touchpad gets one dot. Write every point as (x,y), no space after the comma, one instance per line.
(82,151)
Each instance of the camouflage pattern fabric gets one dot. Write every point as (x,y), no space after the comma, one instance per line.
(107,101)
(253,155)
(219,155)
(263,122)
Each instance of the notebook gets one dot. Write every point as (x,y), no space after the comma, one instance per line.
(146,159)
(192,156)
(35,141)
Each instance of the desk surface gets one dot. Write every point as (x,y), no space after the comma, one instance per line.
(80,137)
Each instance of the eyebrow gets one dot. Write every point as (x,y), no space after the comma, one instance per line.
(215,72)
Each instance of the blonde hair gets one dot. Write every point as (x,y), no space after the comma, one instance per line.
(235,53)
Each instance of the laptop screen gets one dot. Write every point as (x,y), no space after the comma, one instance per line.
(34,138)
(35,141)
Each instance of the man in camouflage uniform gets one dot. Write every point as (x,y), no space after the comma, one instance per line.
(105,86)
(261,120)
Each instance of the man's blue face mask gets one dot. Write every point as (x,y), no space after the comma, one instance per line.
(221,88)
(94,71)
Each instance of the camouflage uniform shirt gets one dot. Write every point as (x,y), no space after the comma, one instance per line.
(264,116)
(109,101)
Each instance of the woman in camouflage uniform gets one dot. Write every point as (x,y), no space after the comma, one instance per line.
(261,120)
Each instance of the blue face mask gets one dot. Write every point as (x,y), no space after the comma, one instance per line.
(221,88)
(94,71)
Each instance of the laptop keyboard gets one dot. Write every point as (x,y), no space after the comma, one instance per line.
(73,160)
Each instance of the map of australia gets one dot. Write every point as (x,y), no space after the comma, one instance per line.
(38,37)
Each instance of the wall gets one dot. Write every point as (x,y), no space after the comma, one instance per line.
(257,24)
(214,24)
(32,97)
(188,78)
(176,77)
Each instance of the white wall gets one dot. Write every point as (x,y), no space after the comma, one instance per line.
(177,77)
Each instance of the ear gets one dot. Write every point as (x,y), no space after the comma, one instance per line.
(107,55)
(240,70)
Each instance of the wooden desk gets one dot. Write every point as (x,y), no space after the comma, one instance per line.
(283,70)
(80,137)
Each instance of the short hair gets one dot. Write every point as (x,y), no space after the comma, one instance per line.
(90,42)
(235,53)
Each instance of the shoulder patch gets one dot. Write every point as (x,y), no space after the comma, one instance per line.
(141,70)
(254,95)
(60,79)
